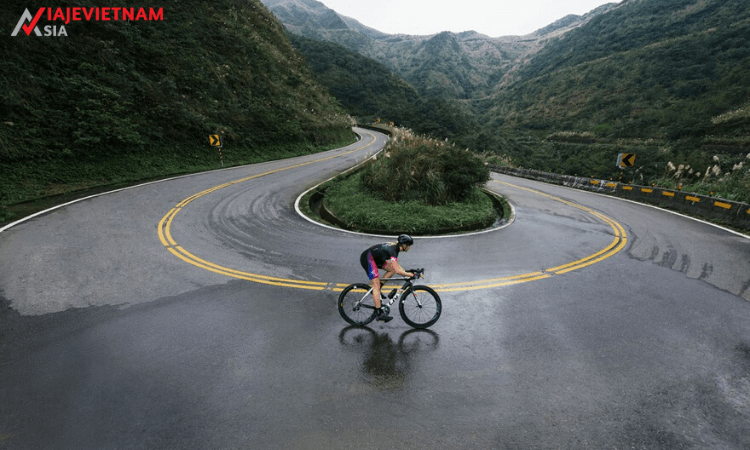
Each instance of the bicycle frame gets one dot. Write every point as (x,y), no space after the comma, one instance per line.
(407,284)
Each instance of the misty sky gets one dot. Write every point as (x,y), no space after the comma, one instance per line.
(491,17)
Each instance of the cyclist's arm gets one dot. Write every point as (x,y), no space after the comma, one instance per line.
(393,266)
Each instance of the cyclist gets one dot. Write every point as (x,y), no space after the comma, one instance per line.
(384,256)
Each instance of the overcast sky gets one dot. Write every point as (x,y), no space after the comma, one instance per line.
(491,17)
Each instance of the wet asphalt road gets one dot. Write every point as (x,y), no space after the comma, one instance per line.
(128,324)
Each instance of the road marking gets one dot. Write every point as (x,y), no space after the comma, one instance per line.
(166,238)
(165,233)
(617,244)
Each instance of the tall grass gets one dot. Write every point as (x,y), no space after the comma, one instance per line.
(424,169)
(727,177)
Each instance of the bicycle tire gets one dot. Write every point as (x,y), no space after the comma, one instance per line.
(423,313)
(349,298)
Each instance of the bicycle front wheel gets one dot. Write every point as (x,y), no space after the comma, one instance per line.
(420,306)
(356,305)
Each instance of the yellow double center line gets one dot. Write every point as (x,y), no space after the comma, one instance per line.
(617,244)
(165,236)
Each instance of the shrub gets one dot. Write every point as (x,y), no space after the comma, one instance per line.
(419,168)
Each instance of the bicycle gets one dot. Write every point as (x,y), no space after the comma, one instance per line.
(419,305)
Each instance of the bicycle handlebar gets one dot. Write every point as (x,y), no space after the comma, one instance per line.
(418,273)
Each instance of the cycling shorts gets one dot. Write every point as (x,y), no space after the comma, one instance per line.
(368,263)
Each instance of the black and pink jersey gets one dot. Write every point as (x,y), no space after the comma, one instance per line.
(375,257)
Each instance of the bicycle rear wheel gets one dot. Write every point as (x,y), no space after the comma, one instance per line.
(356,305)
(420,306)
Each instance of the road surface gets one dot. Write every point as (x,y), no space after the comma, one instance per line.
(200,313)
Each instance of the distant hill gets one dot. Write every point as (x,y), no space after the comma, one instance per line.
(370,91)
(365,87)
(635,71)
(446,65)
(666,78)
(114,87)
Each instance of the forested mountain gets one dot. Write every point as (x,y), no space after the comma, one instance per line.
(370,91)
(118,101)
(655,68)
(116,86)
(447,65)
(668,79)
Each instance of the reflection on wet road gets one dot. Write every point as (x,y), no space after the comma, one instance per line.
(385,363)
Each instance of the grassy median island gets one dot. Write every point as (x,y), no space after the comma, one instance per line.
(359,210)
(417,185)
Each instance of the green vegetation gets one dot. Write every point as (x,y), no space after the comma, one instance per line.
(727,178)
(419,185)
(351,202)
(370,91)
(663,79)
(424,169)
(120,101)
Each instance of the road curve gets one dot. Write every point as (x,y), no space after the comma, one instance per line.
(88,253)
(200,313)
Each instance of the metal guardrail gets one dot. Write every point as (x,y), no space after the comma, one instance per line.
(732,213)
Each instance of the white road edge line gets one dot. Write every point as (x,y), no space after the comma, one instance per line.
(301,214)
(642,204)
(46,211)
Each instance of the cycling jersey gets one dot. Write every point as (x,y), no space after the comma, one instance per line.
(376,257)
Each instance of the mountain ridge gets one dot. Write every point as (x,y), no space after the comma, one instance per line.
(475,58)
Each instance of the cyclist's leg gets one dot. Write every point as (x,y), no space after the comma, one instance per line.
(389,272)
(368,263)
(375,284)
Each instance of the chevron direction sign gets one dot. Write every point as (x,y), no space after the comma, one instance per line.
(625,160)
(214,140)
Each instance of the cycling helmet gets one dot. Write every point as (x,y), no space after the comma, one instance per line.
(405,239)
